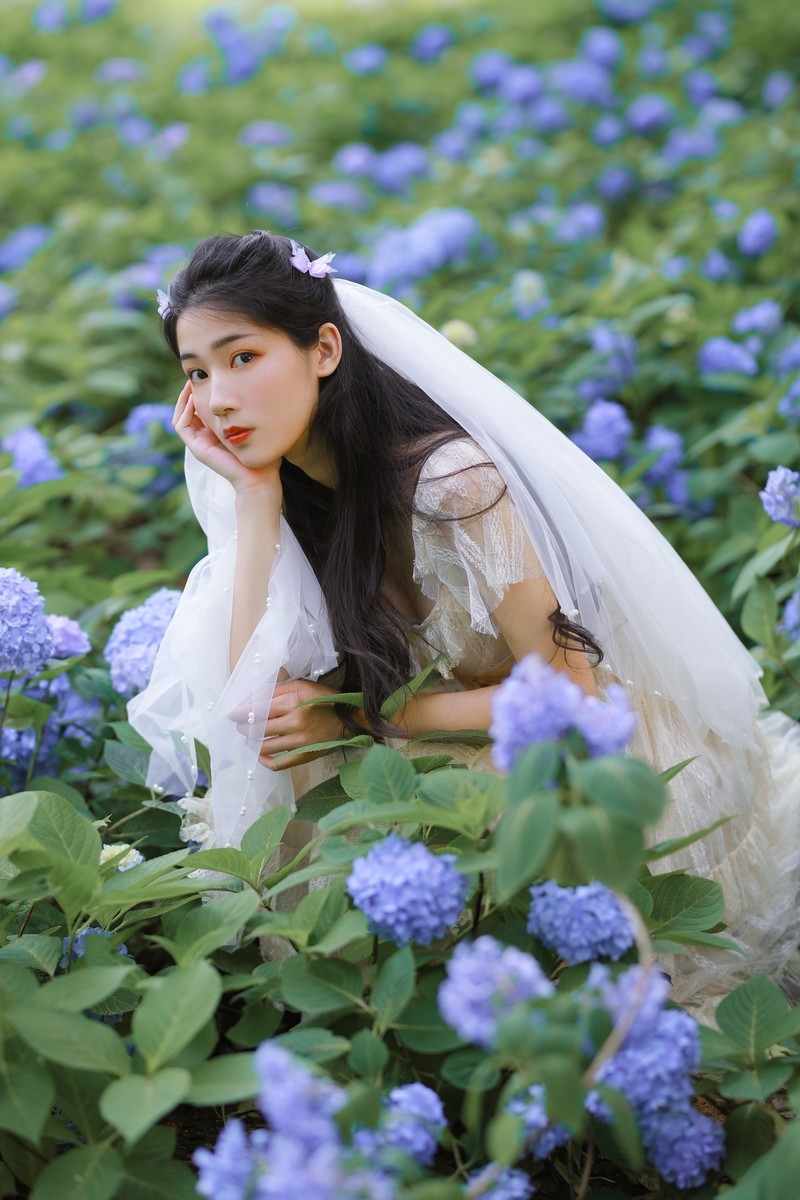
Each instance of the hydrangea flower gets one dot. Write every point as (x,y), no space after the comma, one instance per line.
(69,640)
(607,130)
(413,1122)
(520,84)
(633,990)
(21,245)
(605,432)
(431,42)
(789,405)
(406,892)
(485,982)
(266,133)
(542,1136)
(132,647)
(717,267)
(79,944)
(787,360)
(765,318)
(758,234)
(534,704)
(684,144)
(618,352)
(366,60)
(26,641)
(278,200)
(669,444)
(603,46)
(579,223)
(123,854)
(778,87)
(294,1099)
(719,354)
(194,79)
(685,1146)
(780,496)
(580,923)
(30,456)
(650,113)
(227,1171)
(616,181)
(509,1184)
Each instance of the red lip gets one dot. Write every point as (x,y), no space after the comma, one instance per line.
(236,434)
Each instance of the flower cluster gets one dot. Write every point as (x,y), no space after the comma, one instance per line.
(542,1136)
(69,640)
(79,944)
(26,640)
(780,497)
(31,457)
(580,923)
(539,704)
(605,432)
(412,1123)
(485,982)
(122,855)
(132,647)
(406,892)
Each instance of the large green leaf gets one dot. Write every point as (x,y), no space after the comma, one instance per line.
(759,1083)
(748,1015)
(423,1029)
(27,1093)
(35,950)
(523,840)
(368,1055)
(158,1179)
(388,777)
(685,904)
(320,987)
(393,987)
(212,925)
(79,1095)
(55,826)
(264,836)
(626,787)
(775,1175)
(223,1080)
(750,1131)
(70,1039)
(176,1008)
(82,988)
(309,1041)
(87,1173)
(134,1104)
(606,849)
(533,771)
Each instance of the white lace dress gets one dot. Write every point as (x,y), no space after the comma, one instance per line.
(463,566)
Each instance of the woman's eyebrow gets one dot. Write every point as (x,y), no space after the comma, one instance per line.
(220,342)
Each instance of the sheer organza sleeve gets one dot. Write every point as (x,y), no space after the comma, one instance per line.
(470,544)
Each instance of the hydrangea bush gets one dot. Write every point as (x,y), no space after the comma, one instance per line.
(600,205)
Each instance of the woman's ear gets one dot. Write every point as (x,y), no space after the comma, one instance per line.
(329,349)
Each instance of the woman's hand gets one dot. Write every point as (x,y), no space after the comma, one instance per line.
(289,727)
(206,447)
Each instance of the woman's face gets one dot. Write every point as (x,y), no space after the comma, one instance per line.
(252,386)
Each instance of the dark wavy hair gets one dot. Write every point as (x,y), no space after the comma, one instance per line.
(377,429)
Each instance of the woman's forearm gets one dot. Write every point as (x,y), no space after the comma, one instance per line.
(451,711)
(258,521)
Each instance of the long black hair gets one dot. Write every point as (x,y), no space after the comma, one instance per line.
(377,429)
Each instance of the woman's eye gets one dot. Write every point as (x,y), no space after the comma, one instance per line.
(245,355)
(194,374)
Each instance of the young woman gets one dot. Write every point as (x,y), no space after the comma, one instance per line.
(373,500)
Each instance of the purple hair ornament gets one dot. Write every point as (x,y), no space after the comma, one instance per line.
(317,267)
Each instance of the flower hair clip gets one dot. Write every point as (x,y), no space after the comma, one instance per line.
(163,304)
(317,267)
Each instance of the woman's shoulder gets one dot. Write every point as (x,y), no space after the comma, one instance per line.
(458,476)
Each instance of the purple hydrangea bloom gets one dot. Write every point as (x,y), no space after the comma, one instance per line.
(542,1137)
(227,1171)
(787,360)
(79,944)
(356,158)
(652,62)
(616,181)
(485,982)
(509,1184)
(627,12)
(26,641)
(653,1072)
(395,169)
(21,245)
(608,130)
(579,223)
(583,82)
(438,238)
(143,417)
(431,42)
(720,354)
(780,497)
(758,234)
(278,200)
(340,193)
(194,79)
(650,113)
(366,60)
(31,457)
(580,923)
(488,69)
(351,266)
(603,46)
(535,703)
(685,1146)
(718,112)
(778,87)
(266,133)
(669,444)
(619,353)
(413,1122)
(700,86)
(633,989)
(790,618)
(69,639)
(120,70)
(135,130)
(765,318)
(95,10)
(294,1099)
(717,267)
(675,266)
(606,726)
(683,144)
(520,84)
(406,892)
(455,144)
(605,432)
(168,140)
(789,405)
(132,647)
(51,16)
(548,114)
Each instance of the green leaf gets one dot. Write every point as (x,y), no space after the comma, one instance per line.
(79,1095)
(15,813)
(321,800)
(673,845)
(212,925)
(82,988)
(87,1173)
(505,1139)
(351,926)
(74,886)
(27,1094)
(70,1039)
(759,1083)
(399,699)
(470,1070)
(625,787)
(770,1175)
(24,713)
(685,904)
(434,1189)
(524,839)
(156,1180)
(760,613)
(621,1136)
(264,836)
(606,849)
(761,564)
(749,1013)
(368,1054)
(58,828)
(423,1029)
(176,1008)
(388,777)
(34,950)
(393,987)
(225,859)
(133,1105)
(319,1045)
(533,771)
(223,1080)
(320,987)
(749,1132)
(128,736)
(127,762)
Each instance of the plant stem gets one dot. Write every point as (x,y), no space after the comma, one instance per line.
(476,916)
(6,702)
(587,1171)
(27,918)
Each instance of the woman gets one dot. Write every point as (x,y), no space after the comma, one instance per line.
(373,499)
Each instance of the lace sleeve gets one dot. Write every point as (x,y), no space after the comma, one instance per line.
(470,543)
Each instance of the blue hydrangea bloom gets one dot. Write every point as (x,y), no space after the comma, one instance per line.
(603,46)
(488,68)
(509,1184)
(765,318)
(277,200)
(717,267)
(580,923)
(366,60)
(720,354)
(21,245)
(652,62)
(669,445)
(143,417)
(227,1171)
(700,85)
(68,637)
(787,360)
(758,234)
(605,432)
(520,83)
(607,130)
(341,194)
(675,266)
(789,405)
(616,181)
(548,114)
(780,497)
(26,641)
(623,994)
(431,42)
(120,70)
(485,982)
(31,457)
(685,1146)
(266,133)
(95,10)
(413,1122)
(618,351)
(79,944)
(650,113)
(294,1099)
(194,79)
(542,1137)
(582,222)
(132,647)
(627,12)
(534,704)
(778,88)
(684,144)
(406,892)
(583,82)
(438,238)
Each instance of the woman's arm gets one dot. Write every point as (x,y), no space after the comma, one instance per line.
(258,522)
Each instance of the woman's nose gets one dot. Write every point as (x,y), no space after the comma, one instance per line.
(221,400)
